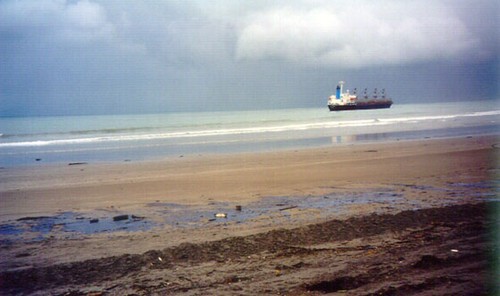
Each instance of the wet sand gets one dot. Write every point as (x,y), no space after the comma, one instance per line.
(277,243)
(42,189)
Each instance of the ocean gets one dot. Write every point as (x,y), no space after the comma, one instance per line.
(139,137)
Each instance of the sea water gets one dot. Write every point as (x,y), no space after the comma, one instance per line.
(112,138)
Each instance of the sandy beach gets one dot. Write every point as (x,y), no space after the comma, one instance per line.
(413,216)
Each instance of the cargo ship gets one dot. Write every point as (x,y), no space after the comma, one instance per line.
(346,101)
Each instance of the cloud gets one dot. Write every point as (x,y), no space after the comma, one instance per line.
(355,35)
(56,20)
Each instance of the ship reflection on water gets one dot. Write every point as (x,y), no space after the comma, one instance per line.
(344,139)
(437,133)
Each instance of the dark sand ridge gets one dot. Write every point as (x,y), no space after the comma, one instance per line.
(434,251)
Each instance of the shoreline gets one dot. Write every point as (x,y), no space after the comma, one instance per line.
(157,150)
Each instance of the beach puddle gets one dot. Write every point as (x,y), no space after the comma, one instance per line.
(68,225)
(178,215)
(422,187)
(8,229)
(275,207)
(73,225)
(483,191)
(475,185)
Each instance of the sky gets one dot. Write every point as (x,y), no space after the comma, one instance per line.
(112,56)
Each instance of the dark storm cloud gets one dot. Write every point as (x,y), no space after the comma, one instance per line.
(72,57)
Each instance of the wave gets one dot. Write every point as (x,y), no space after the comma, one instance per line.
(237,131)
(441,117)
(79,132)
(142,129)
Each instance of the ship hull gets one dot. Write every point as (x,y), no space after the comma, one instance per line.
(359,106)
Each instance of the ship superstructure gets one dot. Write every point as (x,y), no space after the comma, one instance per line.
(347,101)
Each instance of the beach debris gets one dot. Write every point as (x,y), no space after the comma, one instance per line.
(454,250)
(38,159)
(288,208)
(340,284)
(159,259)
(21,255)
(120,218)
(137,218)
(238,208)
(33,218)
(231,279)
(427,261)
(221,215)
(95,220)
(77,163)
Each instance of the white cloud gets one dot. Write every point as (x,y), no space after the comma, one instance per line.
(86,14)
(355,35)
(85,21)
(316,32)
